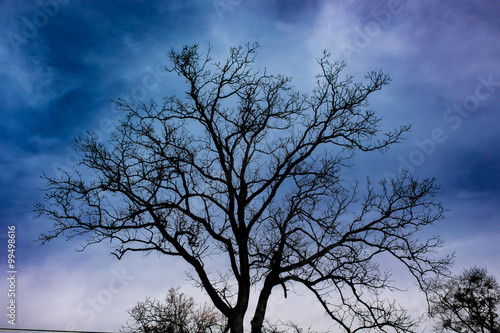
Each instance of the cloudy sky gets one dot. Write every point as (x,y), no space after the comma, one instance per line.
(63,61)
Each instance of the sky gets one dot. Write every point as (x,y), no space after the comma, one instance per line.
(62,62)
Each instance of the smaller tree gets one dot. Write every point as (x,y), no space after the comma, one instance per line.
(178,314)
(467,303)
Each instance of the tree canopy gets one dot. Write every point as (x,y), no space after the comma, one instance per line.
(244,167)
(467,303)
(177,314)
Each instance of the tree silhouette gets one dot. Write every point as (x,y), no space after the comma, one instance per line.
(177,314)
(246,168)
(467,303)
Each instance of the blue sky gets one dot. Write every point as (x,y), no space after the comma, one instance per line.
(63,61)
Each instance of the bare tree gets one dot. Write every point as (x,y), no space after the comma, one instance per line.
(467,303)
(247,168)
(177,314)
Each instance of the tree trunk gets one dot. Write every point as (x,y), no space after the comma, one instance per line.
(260,311)
(236,323)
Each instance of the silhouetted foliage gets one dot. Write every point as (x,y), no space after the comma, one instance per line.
(467,303)
(177,314)
(247,169)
